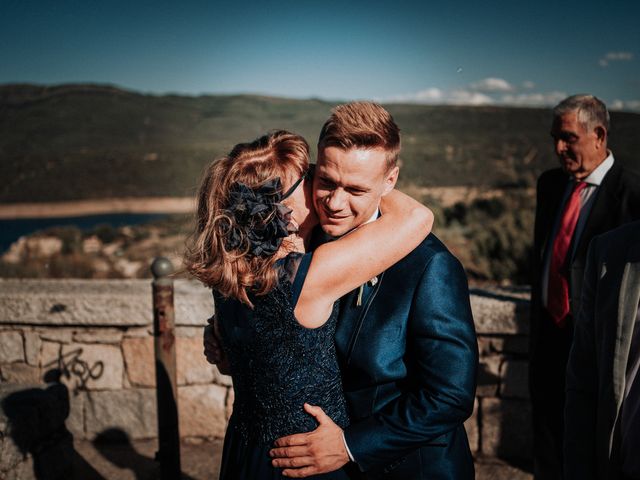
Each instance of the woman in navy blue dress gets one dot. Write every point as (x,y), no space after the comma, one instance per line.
(275,299)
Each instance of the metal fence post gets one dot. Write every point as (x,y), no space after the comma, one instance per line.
(166,382)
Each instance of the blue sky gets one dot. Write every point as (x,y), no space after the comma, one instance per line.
(466,52)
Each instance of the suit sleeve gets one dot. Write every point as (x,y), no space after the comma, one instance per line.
(582,384)
(442,359)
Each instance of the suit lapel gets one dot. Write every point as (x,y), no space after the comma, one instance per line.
(352,318)
(627,311)
(551,200)
(604,204)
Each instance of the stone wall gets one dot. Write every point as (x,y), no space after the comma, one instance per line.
(501,421)
(95,337)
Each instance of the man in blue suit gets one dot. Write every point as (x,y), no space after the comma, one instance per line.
(405,340)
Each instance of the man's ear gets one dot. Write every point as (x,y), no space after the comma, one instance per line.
(601,135)
(391,177)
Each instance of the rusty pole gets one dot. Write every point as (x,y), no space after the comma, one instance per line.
(166,384)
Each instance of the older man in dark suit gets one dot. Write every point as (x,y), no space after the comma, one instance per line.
(590,194)
(602,414)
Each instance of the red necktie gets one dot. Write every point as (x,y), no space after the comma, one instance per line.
(558,293)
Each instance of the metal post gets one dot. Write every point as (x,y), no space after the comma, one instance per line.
(166,384)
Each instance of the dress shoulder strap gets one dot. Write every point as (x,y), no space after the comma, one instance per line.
(298,272)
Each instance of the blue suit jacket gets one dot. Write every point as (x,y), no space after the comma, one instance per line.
(409,356)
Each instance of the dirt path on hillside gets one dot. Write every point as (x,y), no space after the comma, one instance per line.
(9,211)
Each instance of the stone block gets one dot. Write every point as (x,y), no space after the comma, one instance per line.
(125,303)
(76,302)
(133,411)
(189,332)
(193,367)
(32,344)
(50,353)
(489,376)
(20,373)
(11,347)
(93,366)
(104,335)
(507,344)
(60,335)
(202,410)
(10,455)
(193,303)
(140,361)
(490,345)
(514,375)
(24,470)
(139,332)
(500,311)
(494,469)
(506,428)
(473,431)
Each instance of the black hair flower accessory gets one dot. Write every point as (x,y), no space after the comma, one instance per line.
(258,219)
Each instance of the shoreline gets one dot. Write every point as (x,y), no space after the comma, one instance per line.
(447,196)
(79,208)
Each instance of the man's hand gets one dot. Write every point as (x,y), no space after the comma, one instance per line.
(319,451)
(213,346)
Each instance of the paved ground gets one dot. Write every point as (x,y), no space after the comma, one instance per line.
(200,461)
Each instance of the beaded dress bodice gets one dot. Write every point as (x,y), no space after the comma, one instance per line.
(277,364)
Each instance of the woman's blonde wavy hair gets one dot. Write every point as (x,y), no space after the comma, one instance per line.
(235,273)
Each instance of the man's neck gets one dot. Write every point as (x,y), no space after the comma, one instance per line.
(595,176)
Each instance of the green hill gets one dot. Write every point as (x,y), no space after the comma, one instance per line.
(91,141)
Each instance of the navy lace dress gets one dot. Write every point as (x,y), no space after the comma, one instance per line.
(277,365)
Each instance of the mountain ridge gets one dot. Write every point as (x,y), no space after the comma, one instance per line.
(92,141)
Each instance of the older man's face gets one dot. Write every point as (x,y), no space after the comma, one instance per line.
(579,150)
(348,185)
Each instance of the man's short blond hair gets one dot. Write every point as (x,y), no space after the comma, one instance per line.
(362,125)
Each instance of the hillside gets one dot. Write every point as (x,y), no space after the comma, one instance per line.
(74,142)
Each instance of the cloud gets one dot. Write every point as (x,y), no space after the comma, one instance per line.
(437,96)
(628,105)
(488,91)
(492,84)
(615,57)
(466,97)
(534,99)
(429,94)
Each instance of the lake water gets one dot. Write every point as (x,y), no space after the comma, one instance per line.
(11,230)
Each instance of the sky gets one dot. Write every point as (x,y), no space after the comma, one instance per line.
(433,52)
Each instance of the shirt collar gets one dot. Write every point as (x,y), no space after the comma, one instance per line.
(596,177)
(373,217)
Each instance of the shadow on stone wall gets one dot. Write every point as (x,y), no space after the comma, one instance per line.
(36,442)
